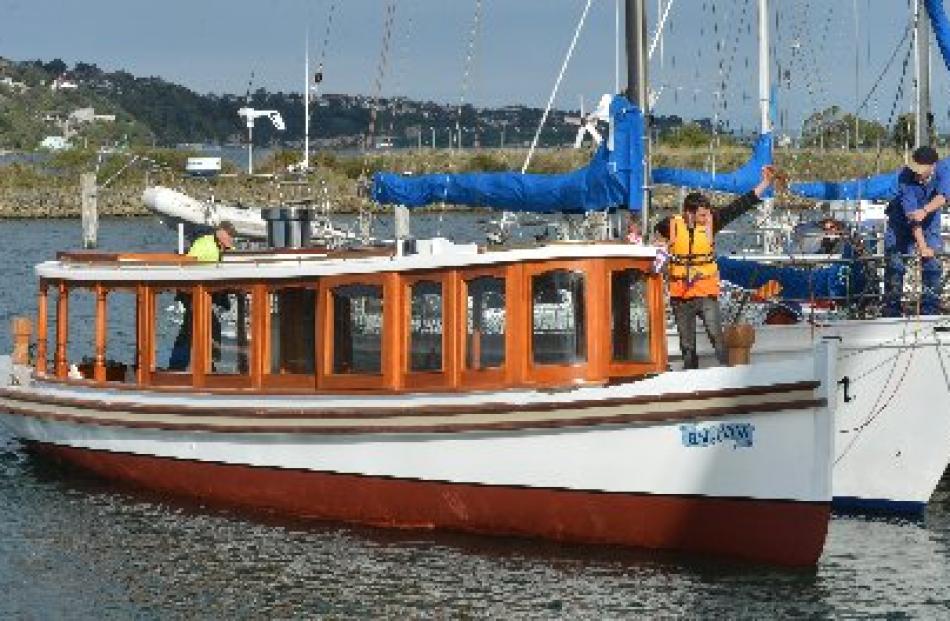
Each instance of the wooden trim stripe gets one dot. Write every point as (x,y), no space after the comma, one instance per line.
(562,416)
(488,407)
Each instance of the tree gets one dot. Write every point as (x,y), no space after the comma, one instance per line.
(832,127)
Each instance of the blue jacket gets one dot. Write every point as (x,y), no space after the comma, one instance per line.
(912,195)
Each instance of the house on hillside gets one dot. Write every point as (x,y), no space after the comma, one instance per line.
(88,115)
(54,143)
(12,84)
(64,83)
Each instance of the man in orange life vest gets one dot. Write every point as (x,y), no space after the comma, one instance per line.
(694,276)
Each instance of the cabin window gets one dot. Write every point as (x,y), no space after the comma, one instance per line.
(172,310)
(230,331)
(630,316)
(121,338)
(80,337)
(292,331)
(558,317)
(425,326)
(485,323)
(357,329)
(80,332)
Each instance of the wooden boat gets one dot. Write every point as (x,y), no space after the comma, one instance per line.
(518,392)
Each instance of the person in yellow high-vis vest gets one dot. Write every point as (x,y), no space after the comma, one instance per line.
(206,249)
(693,274)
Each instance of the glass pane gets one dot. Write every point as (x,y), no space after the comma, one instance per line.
(292,331)
(485,323)
(120,336)
(558,318)
(173,324)
(230,332)
(630,317)
(358,329)
(425,327)
(81,340)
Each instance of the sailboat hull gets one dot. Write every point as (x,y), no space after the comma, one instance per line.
(892,424)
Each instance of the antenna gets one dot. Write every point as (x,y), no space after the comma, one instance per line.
(250,115)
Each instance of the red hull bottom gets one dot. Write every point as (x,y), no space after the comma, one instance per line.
(777,532)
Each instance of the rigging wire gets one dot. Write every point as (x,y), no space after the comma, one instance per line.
(468,68)
(382,65)
(557,84)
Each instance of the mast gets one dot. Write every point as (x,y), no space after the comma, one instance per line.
(765,121)
(922,106)
(306,105)
(637,81)
(765,117)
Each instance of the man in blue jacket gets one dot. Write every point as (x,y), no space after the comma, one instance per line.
(913,227)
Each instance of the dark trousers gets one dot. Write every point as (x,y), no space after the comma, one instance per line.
(685,311)
(895,267)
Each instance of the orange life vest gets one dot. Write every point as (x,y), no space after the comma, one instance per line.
(693,270)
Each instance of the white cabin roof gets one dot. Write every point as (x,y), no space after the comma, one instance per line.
(434,254)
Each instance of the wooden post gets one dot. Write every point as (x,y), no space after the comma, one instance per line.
(738,339)
(22,329)
(200,335)
(99,368)
(401,222)
(62,330)
(90,216)
(143,346)
(42,308)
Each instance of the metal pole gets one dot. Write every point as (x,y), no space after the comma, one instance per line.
(857,76)
(250,148)
(922,107)
(306,105)
(765,120)
(637,81)
(89,209)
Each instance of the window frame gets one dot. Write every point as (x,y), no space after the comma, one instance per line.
(290,381)
(510,372)
(656,308)
(591,369)
(327,380)
(448,376)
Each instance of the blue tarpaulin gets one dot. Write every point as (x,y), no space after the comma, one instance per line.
(876,188)
(839,280)
(613,177)
(941,27)
(739,181)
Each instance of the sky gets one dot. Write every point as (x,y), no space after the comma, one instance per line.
(519,47)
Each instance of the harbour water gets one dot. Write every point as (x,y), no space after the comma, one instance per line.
(75,547)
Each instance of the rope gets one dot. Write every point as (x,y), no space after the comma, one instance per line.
(557,84)
(467,72)
(382,65)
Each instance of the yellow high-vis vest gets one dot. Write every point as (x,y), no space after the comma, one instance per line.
(693,269)
(205,249)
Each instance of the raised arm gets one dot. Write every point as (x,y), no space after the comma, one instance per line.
(744,203)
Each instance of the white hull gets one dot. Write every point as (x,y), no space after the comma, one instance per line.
(892,437)
(756,437)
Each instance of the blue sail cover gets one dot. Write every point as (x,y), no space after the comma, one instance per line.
(941,26)
(840,280)
(739,181)
(613,177)
(876,188)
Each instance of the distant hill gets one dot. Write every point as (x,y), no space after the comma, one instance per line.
(39,99)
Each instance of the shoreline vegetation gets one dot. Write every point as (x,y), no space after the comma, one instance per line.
(49,187)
